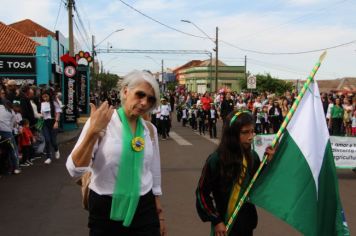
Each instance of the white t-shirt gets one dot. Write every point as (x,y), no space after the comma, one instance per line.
(165,110)
(46,110)
(240,106)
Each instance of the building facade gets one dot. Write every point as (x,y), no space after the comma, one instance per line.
(199,76)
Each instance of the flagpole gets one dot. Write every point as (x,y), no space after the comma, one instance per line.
(276,138)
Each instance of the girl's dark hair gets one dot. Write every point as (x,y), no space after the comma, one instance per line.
(230,150)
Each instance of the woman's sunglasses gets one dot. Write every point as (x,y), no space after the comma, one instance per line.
(150,99)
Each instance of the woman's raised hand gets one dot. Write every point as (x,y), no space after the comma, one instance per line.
(100,117)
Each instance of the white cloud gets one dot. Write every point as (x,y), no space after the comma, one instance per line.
(29,9)
(158,5)
(303,2)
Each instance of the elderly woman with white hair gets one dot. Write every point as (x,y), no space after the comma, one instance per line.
(121,150)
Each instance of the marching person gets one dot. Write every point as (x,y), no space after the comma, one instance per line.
(201,119)
(225,176)
(213,119)
(227,106)
(115,145)
(165,118)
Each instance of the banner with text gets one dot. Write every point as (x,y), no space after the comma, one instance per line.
(82,81)
(344,149)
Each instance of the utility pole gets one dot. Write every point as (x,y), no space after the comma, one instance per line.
(163,85)
(210,72)
(245,67)
(93,52)
(216,60)
(70,27)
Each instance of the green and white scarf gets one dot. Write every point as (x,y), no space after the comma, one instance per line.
(128,180)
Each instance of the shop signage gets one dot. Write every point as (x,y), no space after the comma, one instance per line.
(70,89)
(57,68)
(20,80)
(17,65)
(70,99)
(82,81)
(69,71)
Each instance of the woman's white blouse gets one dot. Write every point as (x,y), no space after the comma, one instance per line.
(106,159)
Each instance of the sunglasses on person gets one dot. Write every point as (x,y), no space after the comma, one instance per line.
(150,99)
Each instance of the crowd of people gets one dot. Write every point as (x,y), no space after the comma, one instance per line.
(201,111)
(29,122)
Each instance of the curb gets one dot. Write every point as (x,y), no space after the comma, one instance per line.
(71,135)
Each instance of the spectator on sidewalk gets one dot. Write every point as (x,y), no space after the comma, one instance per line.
(337,114)
(27,111)
(7,122)
(11,90)
(26,139)
(51,113)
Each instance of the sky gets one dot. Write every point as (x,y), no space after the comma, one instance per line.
(263,26)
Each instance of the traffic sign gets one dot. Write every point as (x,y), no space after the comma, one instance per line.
(251,82)
(69,71)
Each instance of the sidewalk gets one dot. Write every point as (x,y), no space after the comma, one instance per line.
(68,136)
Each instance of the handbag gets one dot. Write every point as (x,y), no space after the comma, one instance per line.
(84,181)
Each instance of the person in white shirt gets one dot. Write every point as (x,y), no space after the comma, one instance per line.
(122,154)
(165,118)
(50,111)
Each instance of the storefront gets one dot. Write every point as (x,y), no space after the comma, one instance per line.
(18,67)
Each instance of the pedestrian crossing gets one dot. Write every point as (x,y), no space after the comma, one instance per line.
(183,142)
(179,139)
(216,141)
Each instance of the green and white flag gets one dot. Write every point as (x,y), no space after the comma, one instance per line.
(300,185)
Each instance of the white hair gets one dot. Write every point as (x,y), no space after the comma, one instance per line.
(134,78)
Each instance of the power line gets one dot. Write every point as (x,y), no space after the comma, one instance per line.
(234,46)
(289,53)
(81,23)
(157,21)
(249,36)
(86,17)
(59,10)
(81,35)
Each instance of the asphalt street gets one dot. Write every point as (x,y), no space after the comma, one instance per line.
(45,201)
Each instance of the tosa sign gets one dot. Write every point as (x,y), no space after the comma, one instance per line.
(17,65)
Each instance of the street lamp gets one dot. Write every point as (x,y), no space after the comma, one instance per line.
(96,45)
(159,65)
(216,49)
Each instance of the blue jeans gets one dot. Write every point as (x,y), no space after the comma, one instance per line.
(50,136)
(14,153)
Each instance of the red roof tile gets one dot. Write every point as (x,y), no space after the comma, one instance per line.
(32,29)
(14,42)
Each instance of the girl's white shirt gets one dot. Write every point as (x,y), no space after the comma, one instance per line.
(106,160)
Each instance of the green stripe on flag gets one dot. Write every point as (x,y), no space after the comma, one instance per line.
(287,190)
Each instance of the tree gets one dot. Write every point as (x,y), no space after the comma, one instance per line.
(108,81)
(268,83)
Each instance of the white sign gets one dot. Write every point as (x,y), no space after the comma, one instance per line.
(344,149)
(69,71)
(251,82)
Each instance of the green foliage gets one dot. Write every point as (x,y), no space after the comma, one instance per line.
(268,83)
(171,86)
(108,81)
